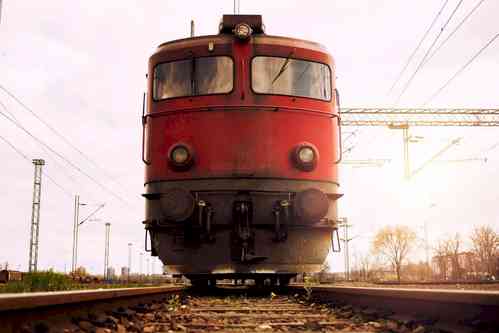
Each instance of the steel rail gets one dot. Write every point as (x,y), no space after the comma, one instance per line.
(457,310)
(21,301)
(55,308)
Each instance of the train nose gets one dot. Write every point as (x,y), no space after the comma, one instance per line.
(312,204)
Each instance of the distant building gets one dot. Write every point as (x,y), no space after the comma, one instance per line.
(111,273)
(124,272)
(464,265)
(9,275)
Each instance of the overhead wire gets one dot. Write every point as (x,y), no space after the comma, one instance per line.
(460,24)
(58,134)
(423,60)
(62,157)
(413,54)
(453,77)
(7,110)
(19,152)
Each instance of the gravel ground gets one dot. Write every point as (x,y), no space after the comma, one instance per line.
(236,313)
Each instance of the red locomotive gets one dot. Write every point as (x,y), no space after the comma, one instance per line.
(241,146)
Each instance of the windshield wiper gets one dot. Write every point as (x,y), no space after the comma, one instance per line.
(193,75)
(283,68)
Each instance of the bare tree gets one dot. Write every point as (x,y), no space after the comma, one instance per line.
(447,256)
(442,260)
(394,244)
(453,245)
(485,247)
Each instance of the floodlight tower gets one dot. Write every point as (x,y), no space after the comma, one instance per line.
(129,259)
(35,216)
(106,252)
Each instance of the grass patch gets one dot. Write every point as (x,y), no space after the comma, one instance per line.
(52,281)
(39,281)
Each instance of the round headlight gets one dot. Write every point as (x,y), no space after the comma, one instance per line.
(180,156)
(242,31)
(306,154)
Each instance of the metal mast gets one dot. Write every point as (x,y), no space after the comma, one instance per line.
(35,216)
(74,261)
(129,259)
(106,252)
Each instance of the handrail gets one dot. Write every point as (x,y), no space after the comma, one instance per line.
(144,122)
(340,144)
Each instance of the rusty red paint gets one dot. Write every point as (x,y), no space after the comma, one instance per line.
(242,133)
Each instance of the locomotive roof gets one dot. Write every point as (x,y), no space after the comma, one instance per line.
(228,38)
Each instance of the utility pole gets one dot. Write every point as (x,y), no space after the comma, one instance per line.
(106,252)
(192,28)
(0,11)
(427,249)
(346,241)
(140,262)
(129,259)
(76,228)
(75,233)
(35,215)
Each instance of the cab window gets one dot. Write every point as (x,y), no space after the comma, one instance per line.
(292,77)
(193,77)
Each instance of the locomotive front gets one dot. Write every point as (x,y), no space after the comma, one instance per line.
(241,149)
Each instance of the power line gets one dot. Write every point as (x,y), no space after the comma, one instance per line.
(7,110)
(57,133)
(418,46)
(19,152)
(423,61)
(455,29)
(461,70)
(18,125)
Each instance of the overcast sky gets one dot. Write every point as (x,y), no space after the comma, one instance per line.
(80,66)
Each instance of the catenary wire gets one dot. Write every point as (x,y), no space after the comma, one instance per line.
(399,76)
(423,61)
(18,125)
(59,134)
(7,110)
(434,95)
(19,152)
(466,17)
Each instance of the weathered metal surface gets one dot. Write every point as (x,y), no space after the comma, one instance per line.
(242,145)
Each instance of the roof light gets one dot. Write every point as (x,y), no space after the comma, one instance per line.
(243,31)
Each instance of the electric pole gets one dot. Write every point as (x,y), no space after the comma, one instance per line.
(129,259)
(106,252)
(346,241)
(74,261)
(35,215)
(140,262)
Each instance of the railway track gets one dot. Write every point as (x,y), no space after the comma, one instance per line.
(240,309)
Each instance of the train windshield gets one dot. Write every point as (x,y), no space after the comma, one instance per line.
(293,77)
(193,77)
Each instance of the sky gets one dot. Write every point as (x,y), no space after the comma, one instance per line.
(80,66)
